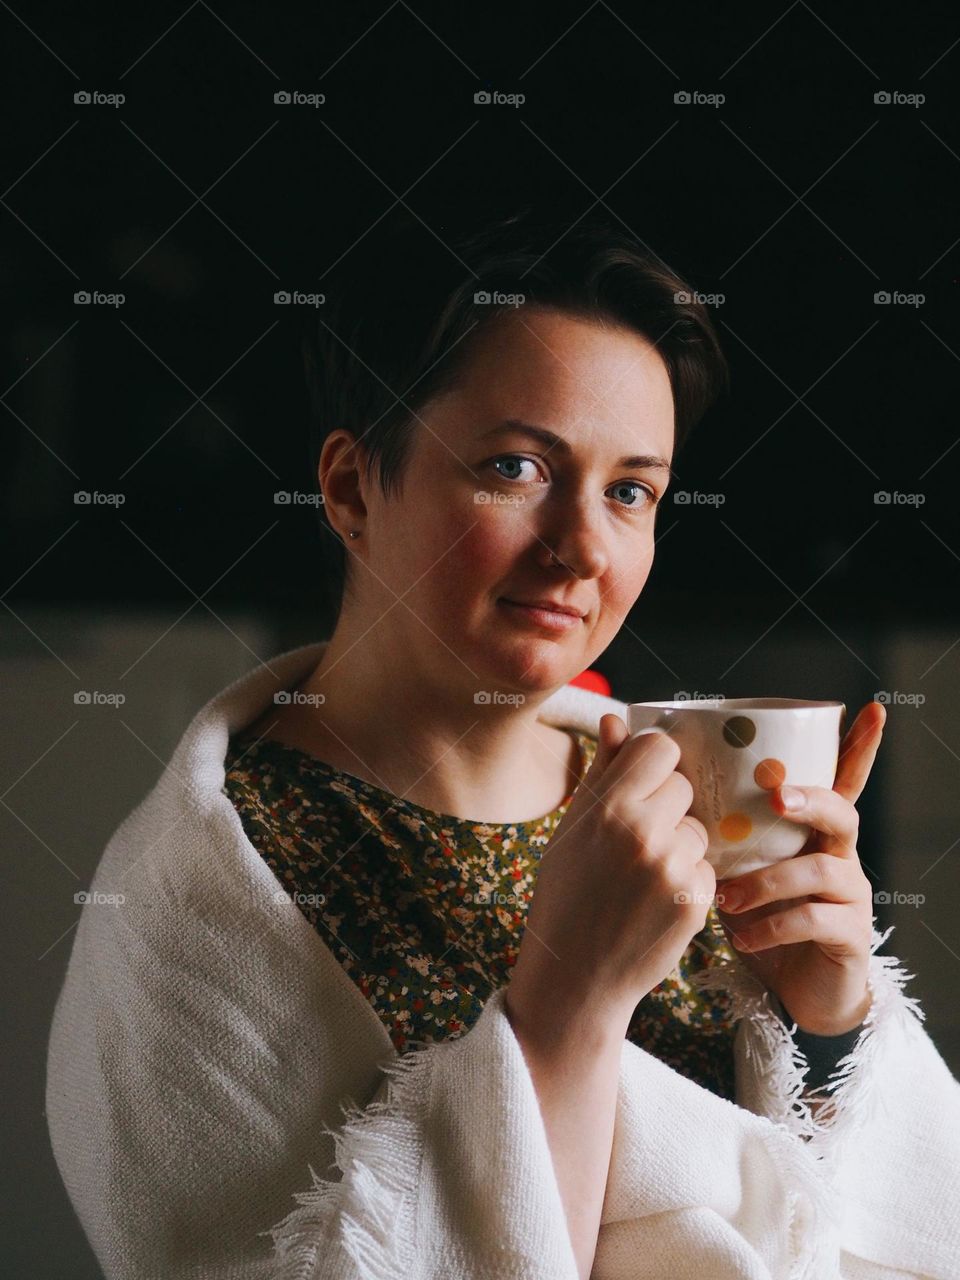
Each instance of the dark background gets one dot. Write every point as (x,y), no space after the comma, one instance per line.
(799,198)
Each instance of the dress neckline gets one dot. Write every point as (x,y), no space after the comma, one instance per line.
(310,764)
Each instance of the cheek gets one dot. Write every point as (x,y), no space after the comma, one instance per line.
(627,576)
(468,550)
(489,547)
(465,551)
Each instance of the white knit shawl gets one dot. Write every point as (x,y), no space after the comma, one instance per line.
(224,1103)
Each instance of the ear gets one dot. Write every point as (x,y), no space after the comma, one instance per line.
(342,475)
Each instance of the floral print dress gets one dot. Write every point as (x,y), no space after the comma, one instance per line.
(426,911)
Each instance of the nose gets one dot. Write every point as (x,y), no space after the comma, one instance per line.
(577,539)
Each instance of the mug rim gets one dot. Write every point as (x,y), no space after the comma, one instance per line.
(758,705)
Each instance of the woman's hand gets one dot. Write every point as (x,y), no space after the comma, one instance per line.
(804,925)
(623,886)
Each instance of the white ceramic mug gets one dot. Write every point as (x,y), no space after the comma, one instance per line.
(735,751)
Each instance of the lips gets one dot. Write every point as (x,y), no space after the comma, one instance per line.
(551,605)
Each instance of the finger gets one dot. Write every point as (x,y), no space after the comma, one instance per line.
(630,756)
(832,816)
(822,875)
(611,735)
(829,924)
(859,750)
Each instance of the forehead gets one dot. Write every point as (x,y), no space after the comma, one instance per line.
(590,383)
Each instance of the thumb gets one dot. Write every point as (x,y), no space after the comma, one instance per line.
(611,735)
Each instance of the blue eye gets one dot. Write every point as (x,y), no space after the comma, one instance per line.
(633,484)
(511,457)
(517,458)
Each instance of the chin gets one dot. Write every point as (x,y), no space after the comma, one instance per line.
(536,666)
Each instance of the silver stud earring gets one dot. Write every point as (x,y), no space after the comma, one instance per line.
(355,533)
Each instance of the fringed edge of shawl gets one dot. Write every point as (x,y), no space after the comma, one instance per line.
(846,1099)
(378,1153)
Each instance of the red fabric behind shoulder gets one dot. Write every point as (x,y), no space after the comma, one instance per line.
(593,681)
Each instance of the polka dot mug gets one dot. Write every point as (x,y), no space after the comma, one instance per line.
(734,751)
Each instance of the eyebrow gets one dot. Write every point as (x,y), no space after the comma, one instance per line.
(551,439)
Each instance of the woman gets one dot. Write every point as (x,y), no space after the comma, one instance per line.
(414,868)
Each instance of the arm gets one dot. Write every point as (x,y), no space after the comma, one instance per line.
(574,1061)
(447,1171)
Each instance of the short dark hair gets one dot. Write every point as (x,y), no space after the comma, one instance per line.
(400,316)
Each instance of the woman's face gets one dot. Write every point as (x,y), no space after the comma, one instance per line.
(484,504)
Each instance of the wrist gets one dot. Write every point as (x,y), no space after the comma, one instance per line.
(549,1025)
(839,1023)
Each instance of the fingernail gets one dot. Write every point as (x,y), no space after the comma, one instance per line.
(791,797)
(730,899)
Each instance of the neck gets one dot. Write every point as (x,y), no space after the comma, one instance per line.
(376,712)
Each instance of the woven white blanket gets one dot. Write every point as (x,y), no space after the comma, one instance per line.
(224,1104)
